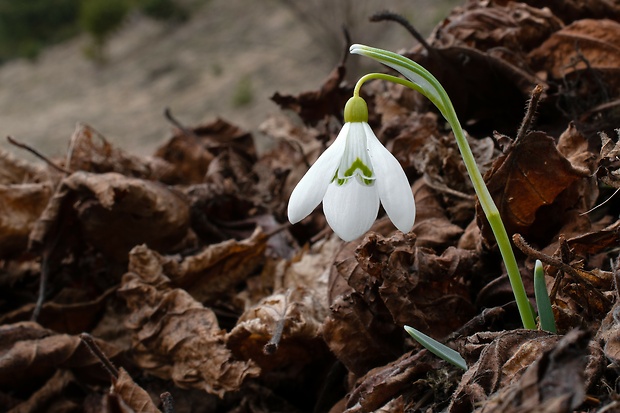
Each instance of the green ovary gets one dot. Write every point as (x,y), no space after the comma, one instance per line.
(365,173)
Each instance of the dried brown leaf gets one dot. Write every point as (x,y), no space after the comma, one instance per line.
(514,26)
(283,329)
(114,213)
(44,397)
(131,397)
(192,151)
(315,106)
(379,386)
(29,353)
(21,206)
(90,151)
(570,10)
(417,286)
(63,317)
(585,44)
(501,362)
(174,336)
(531,174)
(17,171)
(218,268)
(556,382)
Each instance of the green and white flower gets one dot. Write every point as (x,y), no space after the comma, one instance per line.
(352,177)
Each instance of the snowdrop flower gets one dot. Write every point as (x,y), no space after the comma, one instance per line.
(352,177)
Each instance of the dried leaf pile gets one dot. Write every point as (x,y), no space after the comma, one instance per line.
(174,283)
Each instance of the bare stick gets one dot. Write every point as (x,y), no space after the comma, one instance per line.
(554,262)
(168,115)
(391,16)
(88,340)
(38,154)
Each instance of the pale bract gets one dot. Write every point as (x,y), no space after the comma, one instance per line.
(352,177)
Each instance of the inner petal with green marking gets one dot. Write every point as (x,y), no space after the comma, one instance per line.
(355,161)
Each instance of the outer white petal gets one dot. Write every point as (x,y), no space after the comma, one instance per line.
(309,192)
(351,208)
(392,184)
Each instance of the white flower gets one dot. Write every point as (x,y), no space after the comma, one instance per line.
(352,177)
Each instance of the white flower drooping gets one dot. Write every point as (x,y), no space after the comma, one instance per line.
(352,177)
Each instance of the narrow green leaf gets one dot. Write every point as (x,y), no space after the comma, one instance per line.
(545,312)
(438,349)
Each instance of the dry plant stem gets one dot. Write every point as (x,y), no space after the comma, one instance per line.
(554,262)
(186,131)
(87,339)
(45,270)
(530,114)
(167,402)
(430,87)
(272,346)
(38,154)
(395,17)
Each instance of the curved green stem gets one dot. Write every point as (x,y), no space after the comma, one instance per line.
(424,82)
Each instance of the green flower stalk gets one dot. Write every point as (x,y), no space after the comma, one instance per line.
(424,82)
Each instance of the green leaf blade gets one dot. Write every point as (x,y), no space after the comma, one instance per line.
(440,350)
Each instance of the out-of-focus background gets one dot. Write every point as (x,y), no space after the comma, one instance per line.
(116,64)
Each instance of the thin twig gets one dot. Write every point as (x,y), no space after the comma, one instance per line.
(554,262)
(347,44)
(37,154)
(395,17)
(88,340)
(440,187)
(530,114)
(168,115)
(565,254)
(167,402)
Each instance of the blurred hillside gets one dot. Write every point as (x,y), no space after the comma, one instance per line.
(226,60)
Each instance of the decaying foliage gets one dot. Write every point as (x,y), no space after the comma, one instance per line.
(200,297)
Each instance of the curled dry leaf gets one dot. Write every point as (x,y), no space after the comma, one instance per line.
(283,329)
(570,10)
(216,269)
(48,397)
(417,286)
(90,151)
(585,44)
(114,213)
(530,174)
(130,397)
(584,58)
(609,335)
(68,318)
(556,382)
(514,26)
(502,361)
(174,336)
(191,151)
(291,319)
(21,206)
(382,384)
(29,353)
(316,106)
(18,171)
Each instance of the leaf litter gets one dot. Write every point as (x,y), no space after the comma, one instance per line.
(201,297)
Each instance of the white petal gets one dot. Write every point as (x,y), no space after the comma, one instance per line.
(392,184)
(351,208)
(310,190)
